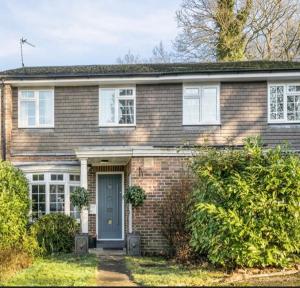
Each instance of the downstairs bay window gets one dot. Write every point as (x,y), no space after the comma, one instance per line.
(50,193)
(117,107)
(284,103)
(201,105)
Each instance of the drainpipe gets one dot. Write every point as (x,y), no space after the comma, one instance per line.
(2,125)
(130,211)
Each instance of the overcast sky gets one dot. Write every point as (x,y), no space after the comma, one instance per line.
(69,32)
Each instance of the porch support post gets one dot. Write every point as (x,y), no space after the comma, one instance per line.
(84,184)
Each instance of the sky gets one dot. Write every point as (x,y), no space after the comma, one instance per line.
(82,32)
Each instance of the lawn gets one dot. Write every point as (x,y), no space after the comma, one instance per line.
(148,271)
(58,270)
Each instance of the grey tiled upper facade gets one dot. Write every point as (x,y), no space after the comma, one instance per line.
(243,109)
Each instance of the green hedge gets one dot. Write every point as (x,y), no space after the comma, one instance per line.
(14,209)
(246,207)
(55,233)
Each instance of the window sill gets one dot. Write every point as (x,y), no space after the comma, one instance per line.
(35,128)
(284,123)
(204,124)
(117,126)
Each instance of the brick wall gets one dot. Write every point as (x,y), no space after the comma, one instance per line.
(156,175)
(6,122)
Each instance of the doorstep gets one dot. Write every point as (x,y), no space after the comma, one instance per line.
(108,252)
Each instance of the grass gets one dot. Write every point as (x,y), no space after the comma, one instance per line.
(57,270)
(154,271)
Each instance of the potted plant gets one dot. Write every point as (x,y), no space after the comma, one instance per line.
(79,199)
(135,197)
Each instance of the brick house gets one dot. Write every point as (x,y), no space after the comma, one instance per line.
(105,127)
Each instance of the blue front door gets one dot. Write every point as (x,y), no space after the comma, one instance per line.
(110,206)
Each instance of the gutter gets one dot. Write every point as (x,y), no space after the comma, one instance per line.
(225,77)
(144,74)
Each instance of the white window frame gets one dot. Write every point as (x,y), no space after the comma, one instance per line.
(202,86)
(285,94)
(117,98)
(47,182)
(37,112)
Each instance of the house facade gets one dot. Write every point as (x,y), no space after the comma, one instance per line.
(107,127)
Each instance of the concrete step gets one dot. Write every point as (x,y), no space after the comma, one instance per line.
(108,252)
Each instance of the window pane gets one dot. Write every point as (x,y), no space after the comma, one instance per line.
(107,106)
(276,102)
(74,178)
(293,107)
(126,111)
(57,198)
(57,177)
(191,92)
(125,92)
(74,211)
(38,177)
(191,110)
(27,95)
(209,105)
(294,88)
(46,107)
(38,201)
(27,113)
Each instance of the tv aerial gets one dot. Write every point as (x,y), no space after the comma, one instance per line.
(23,42)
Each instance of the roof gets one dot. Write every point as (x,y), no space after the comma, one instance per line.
(136,70)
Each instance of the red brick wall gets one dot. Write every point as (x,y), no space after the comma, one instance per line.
(156,175)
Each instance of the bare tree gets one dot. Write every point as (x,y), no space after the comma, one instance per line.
(159,55)
(237,29)
(213,29)
(129,58)
(275,30)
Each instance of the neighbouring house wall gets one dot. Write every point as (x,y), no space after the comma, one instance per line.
(6,125)
(159,120)
(156,175)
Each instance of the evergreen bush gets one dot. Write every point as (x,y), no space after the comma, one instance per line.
(246,210)
(55,233)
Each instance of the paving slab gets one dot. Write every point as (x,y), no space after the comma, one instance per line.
(112,271)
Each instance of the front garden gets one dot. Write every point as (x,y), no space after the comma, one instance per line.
(237,215)
(57,270)
(154,271)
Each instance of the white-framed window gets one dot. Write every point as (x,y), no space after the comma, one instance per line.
(36,108)
(38,196)
(201,104)
(117,106)
(50,193)
(283,103)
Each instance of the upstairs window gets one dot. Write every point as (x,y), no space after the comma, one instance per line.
(36,108)
(284,103)
(117,106)
(201,105)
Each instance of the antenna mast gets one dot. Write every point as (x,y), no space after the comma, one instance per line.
(22,42)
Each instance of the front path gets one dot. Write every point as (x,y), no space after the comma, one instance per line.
(112,271)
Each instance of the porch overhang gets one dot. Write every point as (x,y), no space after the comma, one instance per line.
(114,154)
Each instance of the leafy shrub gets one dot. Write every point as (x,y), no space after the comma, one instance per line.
(14,209)
(246,210)
(80,198)
(174,210)
(135,195)
(55,233)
